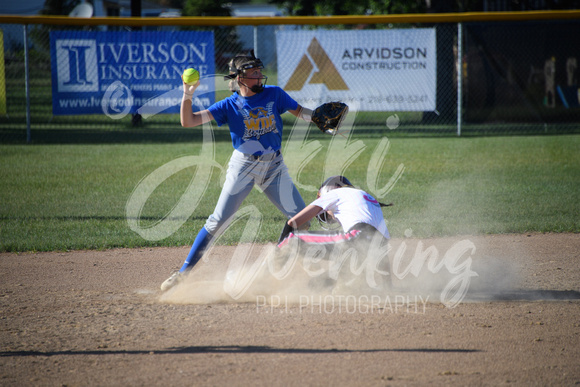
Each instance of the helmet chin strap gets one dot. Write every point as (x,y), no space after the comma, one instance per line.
(255,88)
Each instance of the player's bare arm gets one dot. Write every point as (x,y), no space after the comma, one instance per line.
(302,113)
(190,119)
(304,216)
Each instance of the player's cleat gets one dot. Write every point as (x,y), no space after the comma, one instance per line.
(173,280)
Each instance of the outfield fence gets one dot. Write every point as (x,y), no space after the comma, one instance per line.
(104,79)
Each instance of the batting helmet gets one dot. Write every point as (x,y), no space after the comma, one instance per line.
(238,65)
(333,182)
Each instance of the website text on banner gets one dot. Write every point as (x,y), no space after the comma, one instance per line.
(387,70)
(95,72)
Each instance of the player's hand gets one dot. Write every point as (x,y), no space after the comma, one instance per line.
(189,89)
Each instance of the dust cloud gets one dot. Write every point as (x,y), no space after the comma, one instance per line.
(441,270)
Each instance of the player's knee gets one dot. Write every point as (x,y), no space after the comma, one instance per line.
(212,225)
(215,225)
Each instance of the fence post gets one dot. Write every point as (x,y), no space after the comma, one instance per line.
(256,53)
(27,85)
(459,74)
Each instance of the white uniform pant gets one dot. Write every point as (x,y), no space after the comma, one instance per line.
(268,172)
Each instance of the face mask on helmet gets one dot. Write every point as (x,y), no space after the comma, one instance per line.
(240,64)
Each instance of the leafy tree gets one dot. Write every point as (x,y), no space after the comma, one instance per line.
(226,38)
(350,7)
(58,7)
(39,33)
(169,3)
(205,8)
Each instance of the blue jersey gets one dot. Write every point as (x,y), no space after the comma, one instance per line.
(255,122)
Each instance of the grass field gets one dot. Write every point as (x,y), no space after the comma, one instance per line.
(63,197)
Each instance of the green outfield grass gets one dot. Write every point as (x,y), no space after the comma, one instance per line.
(63,197)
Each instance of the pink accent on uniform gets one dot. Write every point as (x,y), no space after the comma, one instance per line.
(321,239)
(371,199)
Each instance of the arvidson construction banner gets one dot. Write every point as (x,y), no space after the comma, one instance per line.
(379,70)
(117,72)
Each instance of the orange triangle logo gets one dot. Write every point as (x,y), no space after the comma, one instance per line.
(327,74)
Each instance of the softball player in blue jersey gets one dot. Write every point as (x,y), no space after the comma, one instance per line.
(253,115)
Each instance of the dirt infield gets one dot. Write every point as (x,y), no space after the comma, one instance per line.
(97,318)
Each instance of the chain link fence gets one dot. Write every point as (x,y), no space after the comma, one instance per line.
(515,77)
(521,77)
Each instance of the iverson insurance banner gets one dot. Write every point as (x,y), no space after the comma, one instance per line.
(118,72)
(379,70)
